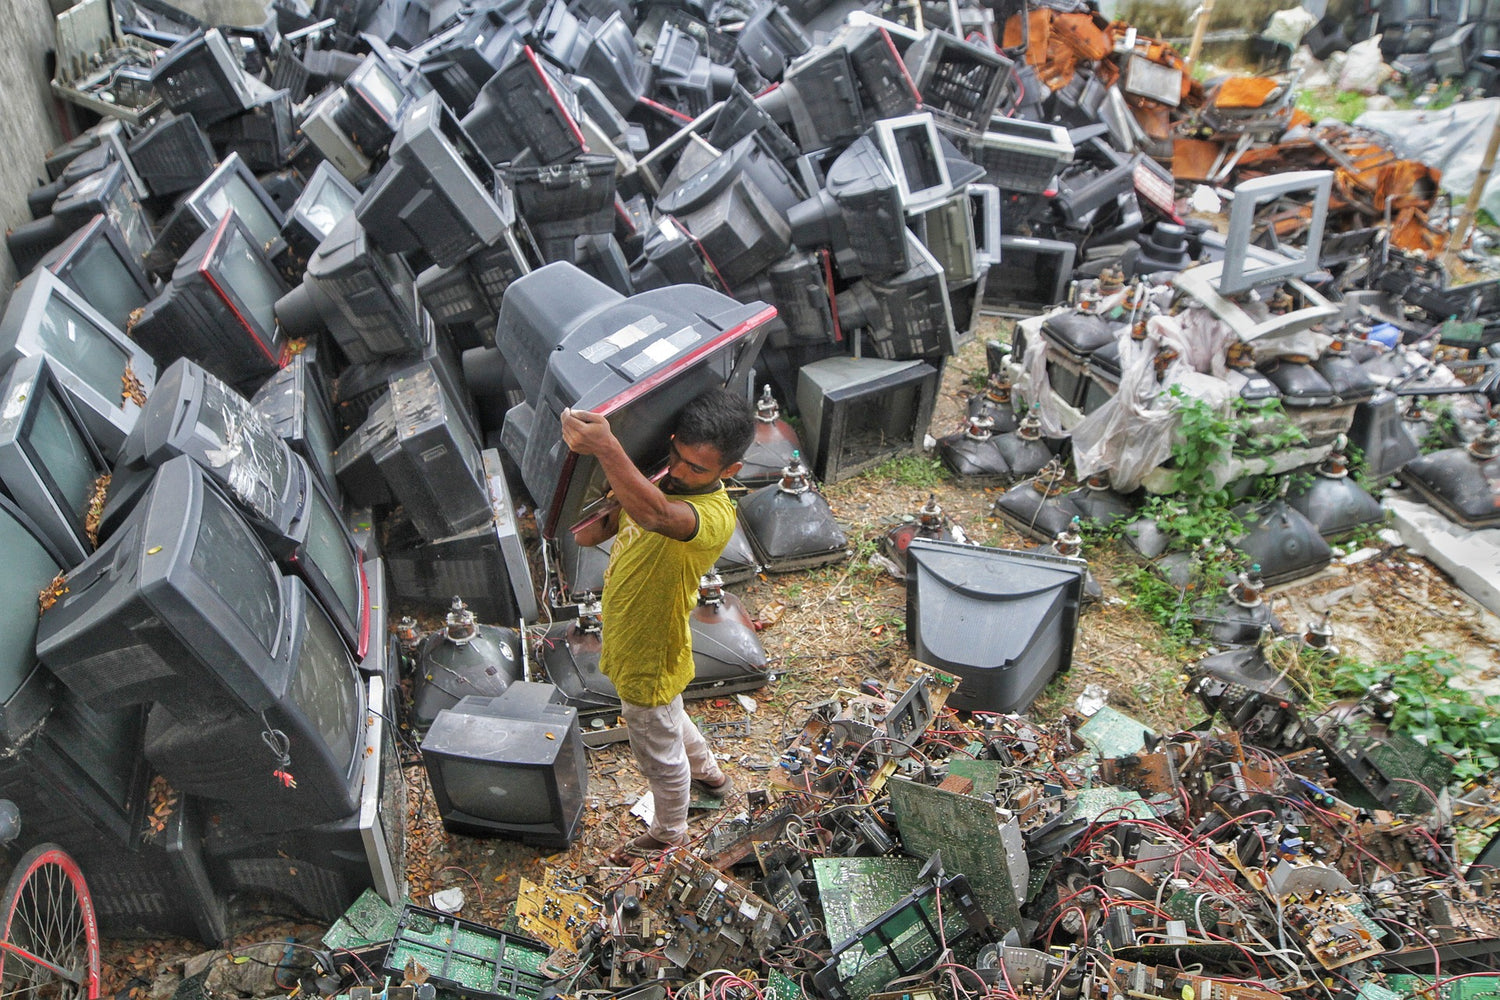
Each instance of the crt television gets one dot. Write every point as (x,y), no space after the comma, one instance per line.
(182,606)
(911,147)
(574,342)
(28,692)
(1030,275)
(104,373)
(220,308)
(230,188)
(1002,621)
(48,463)
(319,870)
(318,708)
(98,264)
(510,766)
(858,412)
(200,76)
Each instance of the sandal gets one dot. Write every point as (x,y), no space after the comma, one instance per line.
(722,790)
(644,846)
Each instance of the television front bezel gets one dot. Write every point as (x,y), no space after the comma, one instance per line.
(108,422)
(556,834)
(914,199)
(64,260)
(160,537)
(23,471)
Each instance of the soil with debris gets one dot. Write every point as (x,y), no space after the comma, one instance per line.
(836,626)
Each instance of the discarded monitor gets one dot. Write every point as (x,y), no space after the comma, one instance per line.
(49,464)
(98,264)
(1002,621)
(509,766)
(858,412)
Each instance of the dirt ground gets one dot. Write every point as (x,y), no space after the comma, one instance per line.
(835,626)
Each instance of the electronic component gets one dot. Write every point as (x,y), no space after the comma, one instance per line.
(716,922)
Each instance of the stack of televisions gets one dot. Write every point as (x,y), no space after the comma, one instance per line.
(316,319)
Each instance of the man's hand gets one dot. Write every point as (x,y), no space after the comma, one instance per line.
(586,433)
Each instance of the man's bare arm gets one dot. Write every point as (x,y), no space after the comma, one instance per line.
(589,434)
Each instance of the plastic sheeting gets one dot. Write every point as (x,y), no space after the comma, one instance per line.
(1452,140)
(1131,433)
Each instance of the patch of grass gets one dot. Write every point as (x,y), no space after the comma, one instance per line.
(916,472)
(1345,105)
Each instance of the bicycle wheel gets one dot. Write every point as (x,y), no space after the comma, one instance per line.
(49,948)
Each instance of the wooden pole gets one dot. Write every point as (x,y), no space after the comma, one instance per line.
(1471,206)
(1199,29)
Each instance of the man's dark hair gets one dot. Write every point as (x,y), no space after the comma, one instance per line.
(720,418)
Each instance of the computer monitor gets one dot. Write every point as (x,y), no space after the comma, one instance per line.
(1031,275)
(320,870)
(105,374)
(560,331)
(510,766)
(27,691)
(437,192)
(317,707)
(364,296)
(98,264)
(858,412)
(326,198)
(48,463)
(200,76)
(108,192)
(911,149)
(294,405)
(230,188)
(220,308)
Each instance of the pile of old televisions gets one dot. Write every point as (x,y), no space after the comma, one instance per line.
(265,380)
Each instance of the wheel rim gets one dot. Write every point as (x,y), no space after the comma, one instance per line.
(48,913)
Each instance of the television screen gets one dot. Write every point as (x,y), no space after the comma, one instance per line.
(48,463)
(104,373)
(26,694)
(231,187)
(181,606)
(327,558)
(512,765)
(97,264)
(319,712)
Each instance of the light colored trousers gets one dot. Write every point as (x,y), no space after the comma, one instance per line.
(670,752)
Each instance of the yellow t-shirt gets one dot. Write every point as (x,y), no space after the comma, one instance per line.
(651,587)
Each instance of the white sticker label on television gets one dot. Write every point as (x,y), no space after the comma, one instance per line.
(622,338)
(684,338)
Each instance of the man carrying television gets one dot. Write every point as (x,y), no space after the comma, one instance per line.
(665,539)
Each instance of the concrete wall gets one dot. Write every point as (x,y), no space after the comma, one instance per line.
(28,119)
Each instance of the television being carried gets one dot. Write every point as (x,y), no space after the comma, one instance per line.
(104,373)
(48,463)
(574,342)
(510,766)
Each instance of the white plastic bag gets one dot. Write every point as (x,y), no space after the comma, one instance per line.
(1364,71)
